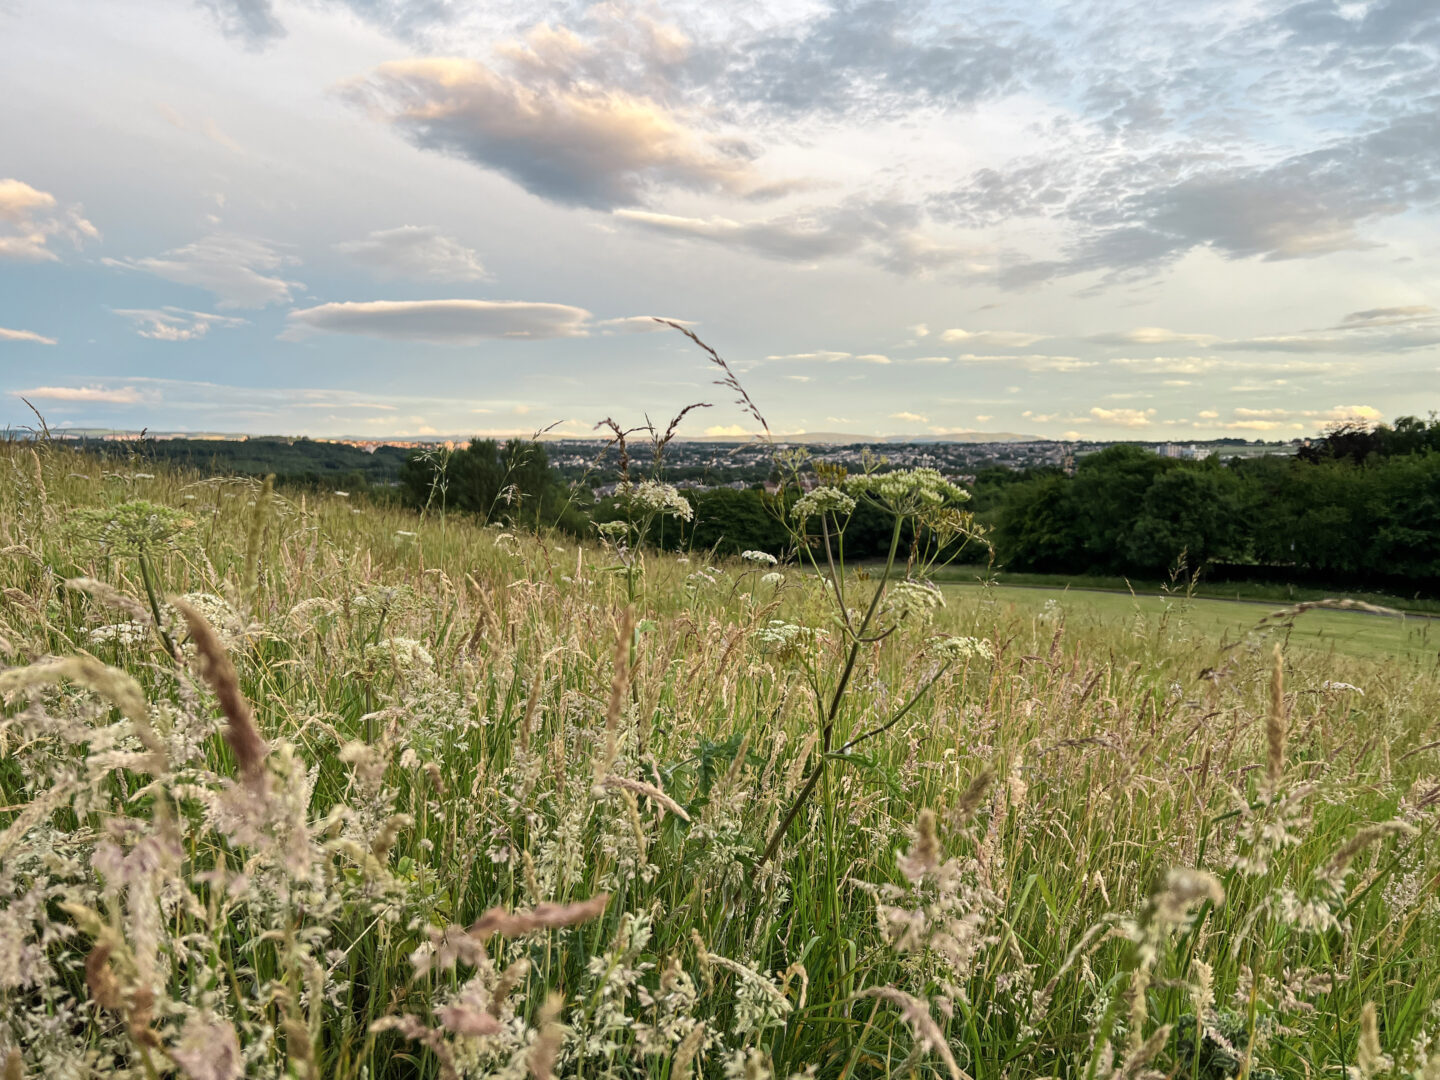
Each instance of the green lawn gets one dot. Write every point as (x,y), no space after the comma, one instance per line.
(1266,592)
(1353,633)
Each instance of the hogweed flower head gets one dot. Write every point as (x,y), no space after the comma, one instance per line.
(907,491)
(823,500)
(959,650)
(656,497)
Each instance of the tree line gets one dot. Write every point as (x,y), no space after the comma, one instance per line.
(1357,507)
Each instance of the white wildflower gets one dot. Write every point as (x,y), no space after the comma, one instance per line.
(659,498)
(1341,687)
(958,650)
(406,654)
(913,600)
(763,557)
(124,633)
(822,500)
(907,491)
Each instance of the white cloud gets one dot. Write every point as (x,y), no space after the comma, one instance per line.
(1152,335)
(120,395)
(29,218)
(910,417)
(25,335)
(1129,418)
(420,252)
(830,356)
(639,324)
(1202,365)
(993,339)
(1029,361)
(800,239)
(728,429)
(174,324)
(240,271)
(441,322)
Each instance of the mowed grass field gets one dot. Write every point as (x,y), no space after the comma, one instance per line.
(1412,638)
(296,786)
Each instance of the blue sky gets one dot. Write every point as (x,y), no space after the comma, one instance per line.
(1106,219)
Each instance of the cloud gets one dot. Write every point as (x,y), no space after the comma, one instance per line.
(29,218)
(1152,335)
(880,59)
(420,252)
(123,395)
(886,232)
(1389,316)
(1128,418)
(828,356)
(251,22)
(728,429)
(239,271)
(440,322)
(174,324)
(910,417)
(1348,414)
(1029,362)
(1001,339)
(1202,365)
(795,239)
(561,137)
(639,324)
(1134,206)
(25,335)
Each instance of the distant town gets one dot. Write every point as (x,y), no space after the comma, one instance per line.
(594,462)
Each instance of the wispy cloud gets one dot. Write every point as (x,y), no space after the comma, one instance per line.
(174,324)
(420,252)
(830,356)
(441,322)
(241,272)
(30,219)
(107,395)
(992,339)
(25,335)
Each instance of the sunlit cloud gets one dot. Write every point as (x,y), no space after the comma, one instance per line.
(25,335)
(30,219)
(123,395)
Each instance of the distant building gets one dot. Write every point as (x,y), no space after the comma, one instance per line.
(1185,453)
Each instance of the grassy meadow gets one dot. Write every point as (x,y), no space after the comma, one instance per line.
(382,795)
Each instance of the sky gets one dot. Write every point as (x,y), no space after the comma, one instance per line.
(1096,219)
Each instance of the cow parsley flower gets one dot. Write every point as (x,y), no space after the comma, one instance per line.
(763,557)
(659,498)
(125,633)
(405,654)
(958,650)
(907,491)
(821,501)
(913,600)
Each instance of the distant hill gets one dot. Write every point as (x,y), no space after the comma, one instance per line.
(830,438)
(839,438)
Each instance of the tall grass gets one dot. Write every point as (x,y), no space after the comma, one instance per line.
(499,810)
